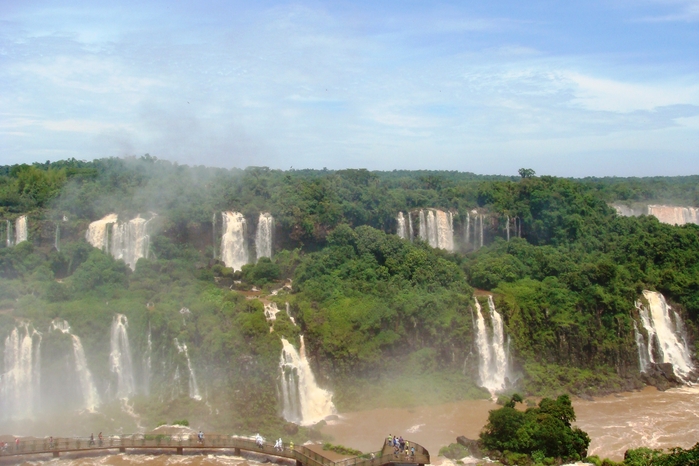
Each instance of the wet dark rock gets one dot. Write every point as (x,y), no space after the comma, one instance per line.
(473,446)
(291,429)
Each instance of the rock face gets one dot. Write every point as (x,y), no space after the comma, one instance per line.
(473,446)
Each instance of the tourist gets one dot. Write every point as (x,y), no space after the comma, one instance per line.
(92,439)
(412,452)
(99,437)
(390,439)
(51,442)
(291,445)
(17,443)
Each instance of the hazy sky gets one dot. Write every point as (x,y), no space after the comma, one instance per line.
(570,88)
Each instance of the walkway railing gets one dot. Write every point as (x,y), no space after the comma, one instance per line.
(303,455)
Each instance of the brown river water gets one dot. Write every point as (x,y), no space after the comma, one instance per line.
(615,423)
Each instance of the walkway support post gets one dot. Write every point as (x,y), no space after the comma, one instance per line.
(180,450)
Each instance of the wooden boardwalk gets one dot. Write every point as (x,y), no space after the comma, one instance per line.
(179,444)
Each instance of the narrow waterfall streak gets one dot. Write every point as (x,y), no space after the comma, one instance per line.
(57,238)
(665,335)
(147,363)
(91,399)
(8,230)
(493,361)
(480,218)
(432,236)
(21,232)
(213,229)
(444,230)
(234,250)
(120,363)
(642,348)
(422,226)
(193,386)
(303,401)
(507,226)
(410,227)
(263,237)
(20,384)
(288,312)
(97,232)
(401,230)
(467,233)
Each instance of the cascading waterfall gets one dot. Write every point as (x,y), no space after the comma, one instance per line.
(480,234)
(410,227)
(467,234)
(21,233)
(234,250)
(147,363)
(263,237)
(97,233)
(401,231)
(20,384)
(492,354)
(666,337)
(642,346)
(508,228)
(303,401)
(193,386)
(437,228)
(120,357)
(130,241)
(87,386)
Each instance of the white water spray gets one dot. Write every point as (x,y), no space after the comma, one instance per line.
(193,386)
(263,237)
(303,401)
(234,250)
(401,229)
(97,233)
(21,233)
(87,386)
(20,384)
(130,241)
(492,354)
(120,357)
(437,228)
(665,335)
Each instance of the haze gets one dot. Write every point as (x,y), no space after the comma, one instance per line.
(566,88)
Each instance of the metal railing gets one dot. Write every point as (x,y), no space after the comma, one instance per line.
(300,453)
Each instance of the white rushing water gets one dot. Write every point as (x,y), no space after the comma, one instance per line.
(303,401)
(642,346)
(672,215)
(21,231)
(20,384)
(91,399)
(234,249)
(193,386)
(130,241)
(120,357)
(666,337)
(263,237)
(437,228)
(490,343)
(97,232)
(401,229)
(57,238)
(147,363)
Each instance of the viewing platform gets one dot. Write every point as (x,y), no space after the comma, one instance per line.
(179,444)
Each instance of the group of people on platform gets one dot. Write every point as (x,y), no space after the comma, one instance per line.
(400,446)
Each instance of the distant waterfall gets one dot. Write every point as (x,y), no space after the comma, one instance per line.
(480,233)
(21,233)
(675,215)
(90,397)
(642,346)
(492,354)
(401,229)
(20,384)
(303,401)
(234,249)
(193,386)
(437,228)
(130,241)
(467,233)
(9,240)
(97,233)
(147,363)
(263,237)
(57,238)
(410,227)
(120,357)
(666,337)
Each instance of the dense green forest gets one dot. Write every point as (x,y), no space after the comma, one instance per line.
(389,315)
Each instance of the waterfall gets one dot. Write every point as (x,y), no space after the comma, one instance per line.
(263,237)
(410,227)
(234,250)
(147,363)
(293,321)
(271,311)
(674,215)
(130,241)
(57,238)
(303,401)
(21,229)
(643,360)
(193,386)
(665,335)
(8,225)
(120,357)
(508,228)
(480,221)
(87,386)
(437,229)
(20,384)
(97,234)
(490,343)
(422,226)
(401,231)
(213,229)
(467,234)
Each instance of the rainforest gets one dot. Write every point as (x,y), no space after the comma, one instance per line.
(136,291)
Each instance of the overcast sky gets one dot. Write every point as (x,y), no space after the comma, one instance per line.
(570,88)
